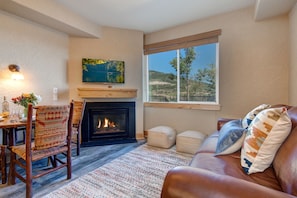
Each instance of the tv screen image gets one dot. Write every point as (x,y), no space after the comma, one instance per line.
(103,71)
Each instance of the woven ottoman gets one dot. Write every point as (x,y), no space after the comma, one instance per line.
(161,136)
(189,141)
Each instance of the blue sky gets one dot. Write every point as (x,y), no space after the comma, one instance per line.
(205,55)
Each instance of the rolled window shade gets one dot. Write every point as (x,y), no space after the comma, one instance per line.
(184,42)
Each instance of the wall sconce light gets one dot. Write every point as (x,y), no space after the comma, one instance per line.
(16,74)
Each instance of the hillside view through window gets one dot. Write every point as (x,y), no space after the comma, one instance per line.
(184,75)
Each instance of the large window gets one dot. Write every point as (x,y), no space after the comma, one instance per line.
(188,74)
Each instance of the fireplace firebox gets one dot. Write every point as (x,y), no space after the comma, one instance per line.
(108,123)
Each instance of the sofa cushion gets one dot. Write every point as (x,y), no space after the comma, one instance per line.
(284,163)
(231,137)
(264,136)
(209,144)
(246,121)
(230,165)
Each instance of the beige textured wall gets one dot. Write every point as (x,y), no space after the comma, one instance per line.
(42,54)
(253,68)
(115,44)
(254,64)
(293,55)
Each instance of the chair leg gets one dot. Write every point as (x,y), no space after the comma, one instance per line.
(29,176)
(52,160)
(3,165)
(29,192)
(78,144)
(28,189)
(11,179)
(69,163)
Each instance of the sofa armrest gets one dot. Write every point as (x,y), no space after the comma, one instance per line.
(222,121)
(189,182)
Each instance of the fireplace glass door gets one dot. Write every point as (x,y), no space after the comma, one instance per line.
(108,123)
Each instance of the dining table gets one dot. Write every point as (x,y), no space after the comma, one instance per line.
(10,126)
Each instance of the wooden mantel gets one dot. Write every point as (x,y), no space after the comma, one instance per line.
(107,93)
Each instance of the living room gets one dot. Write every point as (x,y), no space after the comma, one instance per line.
(257,55)
(257,64)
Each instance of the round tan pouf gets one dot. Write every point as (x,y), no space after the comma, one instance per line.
(161,136)
(189,141)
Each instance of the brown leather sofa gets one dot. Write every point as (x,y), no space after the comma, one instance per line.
(222,176)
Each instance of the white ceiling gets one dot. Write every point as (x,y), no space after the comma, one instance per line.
(83,18)
(270,8)
(154,15)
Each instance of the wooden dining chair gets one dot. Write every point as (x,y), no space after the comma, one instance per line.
(3,164)
(78,110)
(52,137)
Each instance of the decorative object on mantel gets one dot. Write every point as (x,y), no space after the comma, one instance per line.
(107,93)
(25,99)
(103,71)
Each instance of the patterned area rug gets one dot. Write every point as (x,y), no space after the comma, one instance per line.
(139,173)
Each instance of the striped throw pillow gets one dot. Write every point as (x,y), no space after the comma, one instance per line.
(264,136)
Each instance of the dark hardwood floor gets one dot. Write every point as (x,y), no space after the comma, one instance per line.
(89,159)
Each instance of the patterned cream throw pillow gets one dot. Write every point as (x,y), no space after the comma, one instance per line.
(246,121)
(264,136)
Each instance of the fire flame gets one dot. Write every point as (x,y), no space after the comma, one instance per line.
(106,124)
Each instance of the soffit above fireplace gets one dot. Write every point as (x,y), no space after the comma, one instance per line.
(107,93)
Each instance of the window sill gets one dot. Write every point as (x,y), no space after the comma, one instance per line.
(200,106)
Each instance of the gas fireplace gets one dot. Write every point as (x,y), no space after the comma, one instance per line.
(108,123)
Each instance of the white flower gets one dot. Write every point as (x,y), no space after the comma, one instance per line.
(38,98)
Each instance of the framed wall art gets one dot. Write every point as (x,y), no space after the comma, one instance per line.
(103,71)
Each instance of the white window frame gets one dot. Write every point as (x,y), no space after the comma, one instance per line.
(181,104)
(180,43)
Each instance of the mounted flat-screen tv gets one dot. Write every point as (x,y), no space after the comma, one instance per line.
(103,71)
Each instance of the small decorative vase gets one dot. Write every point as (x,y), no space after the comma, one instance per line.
(25,112)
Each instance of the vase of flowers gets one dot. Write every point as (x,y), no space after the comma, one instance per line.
(25,99)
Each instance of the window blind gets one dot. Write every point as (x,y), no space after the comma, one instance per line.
(184,42)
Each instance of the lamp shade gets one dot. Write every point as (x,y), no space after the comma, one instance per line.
(16,74)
